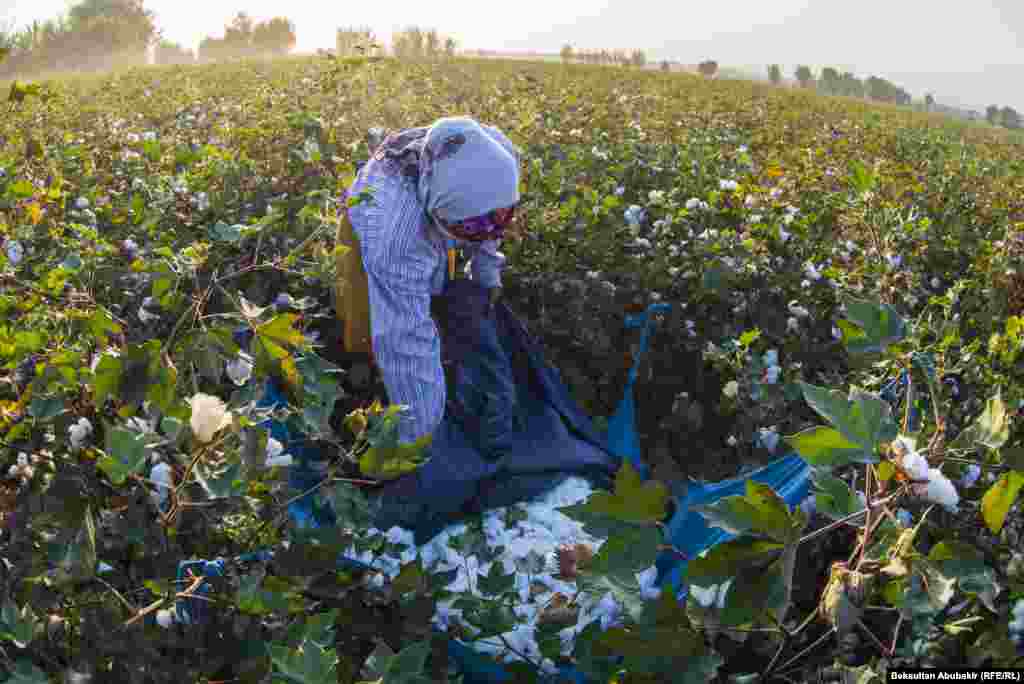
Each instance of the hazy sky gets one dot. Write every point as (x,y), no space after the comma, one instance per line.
(968,52)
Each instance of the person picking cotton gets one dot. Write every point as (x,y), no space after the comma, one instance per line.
(454,180)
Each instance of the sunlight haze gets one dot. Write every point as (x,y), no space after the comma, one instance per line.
(967,54)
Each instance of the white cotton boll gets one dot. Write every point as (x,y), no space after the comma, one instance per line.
(727,185)
(400,535)
(240,368)
(916,465)
(163,477)
(809,505)
(792,325)
(704,596)
(731,389)
(769,439)
(209,416)
(79,432)
(648,580)
(165,618)
(970,476)
(797,310)
(940,490)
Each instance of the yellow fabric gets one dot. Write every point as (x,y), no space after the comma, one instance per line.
(352,292)
(451,264)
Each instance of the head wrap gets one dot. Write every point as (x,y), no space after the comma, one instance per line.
(461,169)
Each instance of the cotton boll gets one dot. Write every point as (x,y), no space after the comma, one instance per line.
(79,432)
(165,618)
(940,490)
(162,476)
(971,476)
(648,579)
(916,465)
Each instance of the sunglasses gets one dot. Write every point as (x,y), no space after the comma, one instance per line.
(488,226)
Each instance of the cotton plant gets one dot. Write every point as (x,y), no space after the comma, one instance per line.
(534,546)
(928,483)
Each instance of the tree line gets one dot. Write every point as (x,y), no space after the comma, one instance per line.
(635,58)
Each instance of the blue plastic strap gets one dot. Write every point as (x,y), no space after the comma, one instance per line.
(643,320)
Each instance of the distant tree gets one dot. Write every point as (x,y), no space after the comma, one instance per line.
(775,74)
(432,44)
(566,53)
(351,41)
(1010,118)
(929,102)
(638,58)
(665,66)
(449,47)
(708,68)
(172,53)
(992,115)
(804,76)
(850,85)
(274,37)
(830,81)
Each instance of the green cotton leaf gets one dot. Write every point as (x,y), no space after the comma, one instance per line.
(404,667)
(307,664)
(489,617)
(255,600)
(20,190)
(625,591)
(222,483)
(991,429)
(125,455)
(823,447)
(106,378)
(629,550)
(834,497)
(350,505)
(996,502)
(45,408)
(222,232)
(172,428)
(966,564)
(862,419)
(281,330)
(724,561)
(72,262)
(152,150)
(101,323)
(391,462)
(25,672)
(319,628)
(496,582)
(760,511)
(633,500)
(752,593)
(410,577)
(17,626)
(861,178)
(875,326)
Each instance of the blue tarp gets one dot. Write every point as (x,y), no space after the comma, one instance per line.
(511,432)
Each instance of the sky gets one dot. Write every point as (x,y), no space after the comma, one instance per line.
(968,54)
